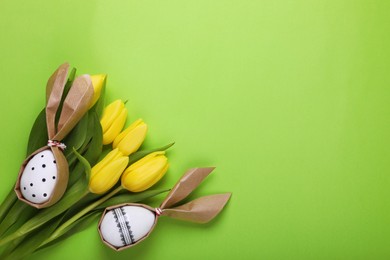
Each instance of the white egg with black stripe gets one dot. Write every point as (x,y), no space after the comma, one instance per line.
(126,225)
(39,177)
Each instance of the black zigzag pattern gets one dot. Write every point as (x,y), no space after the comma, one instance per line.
(118,225)
(128,226)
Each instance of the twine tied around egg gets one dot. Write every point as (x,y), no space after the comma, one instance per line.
(158,212)
(55,143)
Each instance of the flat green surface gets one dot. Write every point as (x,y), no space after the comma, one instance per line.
(289,99)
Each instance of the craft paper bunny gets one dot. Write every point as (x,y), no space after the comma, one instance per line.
(125,225)
(43,176)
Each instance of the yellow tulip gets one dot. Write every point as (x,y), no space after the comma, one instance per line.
(131,139)
(107,172)
(146,172)
(113,120)
(98,82)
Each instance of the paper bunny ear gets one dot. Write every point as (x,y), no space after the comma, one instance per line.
(54,89)
(75,105)
(200,210)
(190,180)
(57,80)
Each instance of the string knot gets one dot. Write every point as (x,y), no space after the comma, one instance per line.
(54,143)
(158,211)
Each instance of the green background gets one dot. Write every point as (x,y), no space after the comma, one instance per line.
(289,99)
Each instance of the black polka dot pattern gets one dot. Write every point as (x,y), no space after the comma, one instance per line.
(39,177)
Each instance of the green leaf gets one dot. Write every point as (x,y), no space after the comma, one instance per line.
(8,202)
(87,139)
(76,227)
(95,135)
(80,205)
(34,240)
(77,136)
(84,162)
(20,210)
(140,154)
(71,196)
(76,174)
(38,134)
(96,145)
(11,247)
(91,150)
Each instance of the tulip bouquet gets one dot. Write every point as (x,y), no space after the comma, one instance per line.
(105,168)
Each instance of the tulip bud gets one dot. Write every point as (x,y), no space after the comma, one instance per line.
(113,120)
(98,82)
(131,139)
(107,172)
(146,172)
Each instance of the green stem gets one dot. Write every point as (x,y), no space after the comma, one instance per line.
(60,229)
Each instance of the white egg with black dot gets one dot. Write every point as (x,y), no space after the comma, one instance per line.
(39,177)
(126,225)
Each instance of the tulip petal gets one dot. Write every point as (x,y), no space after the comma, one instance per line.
(144,160)
(115,128)
(122,135)
(108,176)
(145,174)
(149,180)
(97,83)
(111,156)
(110,113)
(133,140)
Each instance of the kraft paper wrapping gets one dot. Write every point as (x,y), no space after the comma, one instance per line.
(119,206)
(75,105)
(200,210)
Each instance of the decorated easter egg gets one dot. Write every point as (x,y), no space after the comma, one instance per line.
(126,225)
(39,177)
